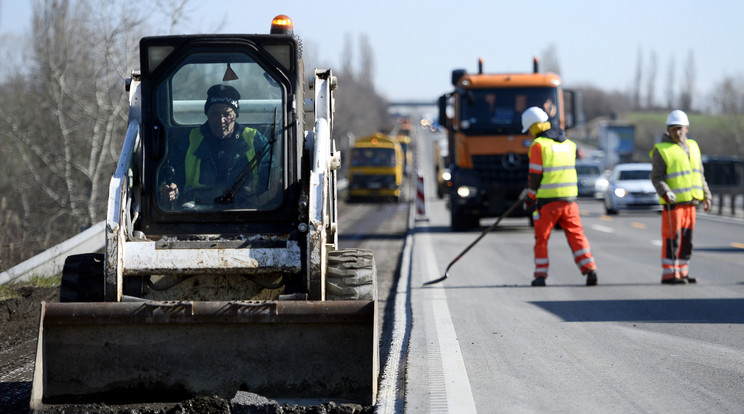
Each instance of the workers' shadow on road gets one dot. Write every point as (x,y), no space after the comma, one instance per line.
(475,231)
(370,236)
(725,249)
(726,311)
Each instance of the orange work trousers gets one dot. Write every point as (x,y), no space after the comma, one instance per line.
(567,215)
(676,240)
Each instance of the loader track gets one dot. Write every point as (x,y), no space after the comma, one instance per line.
(351,275)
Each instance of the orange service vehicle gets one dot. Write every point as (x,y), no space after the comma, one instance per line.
(488,153)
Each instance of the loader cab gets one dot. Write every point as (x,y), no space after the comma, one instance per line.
(195,181)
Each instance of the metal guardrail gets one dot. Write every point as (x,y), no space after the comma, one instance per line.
(50,261)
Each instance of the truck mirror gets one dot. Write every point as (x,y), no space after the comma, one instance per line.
(457,74)
(574,109)
(443,110)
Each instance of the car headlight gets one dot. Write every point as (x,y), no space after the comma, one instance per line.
(601,183)
(620,192)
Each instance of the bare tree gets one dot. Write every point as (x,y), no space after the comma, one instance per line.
(599,103)
(176,10)
(63,119)
(638,80)
(550,60)
(347,57)
(688,85)
(360,110)
(651,82)
(670,84)
(728,97)
(367,63)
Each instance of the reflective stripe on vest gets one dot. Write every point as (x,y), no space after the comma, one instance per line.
(192,163)
(558,168)
(683,175)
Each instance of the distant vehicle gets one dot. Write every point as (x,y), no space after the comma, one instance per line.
(618,143)
(376,170)
(600,186)
(630,188)
(441,169)
(588,173)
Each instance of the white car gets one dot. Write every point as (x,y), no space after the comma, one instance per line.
(630,188)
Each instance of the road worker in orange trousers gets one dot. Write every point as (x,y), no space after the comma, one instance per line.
(552,192)
(677,175)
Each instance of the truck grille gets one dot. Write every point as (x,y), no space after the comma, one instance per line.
(505,169)
(373,182)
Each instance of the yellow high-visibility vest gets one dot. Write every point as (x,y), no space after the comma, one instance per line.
(558,168)
(192,163)
(683,174)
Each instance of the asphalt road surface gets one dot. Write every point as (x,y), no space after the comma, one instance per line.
(484,340)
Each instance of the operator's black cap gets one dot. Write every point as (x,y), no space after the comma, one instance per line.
(222,94)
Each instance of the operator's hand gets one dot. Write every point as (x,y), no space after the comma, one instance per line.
(524,194)
(528,200)
(706,204)
(168,192)
(670,197)
(528,204)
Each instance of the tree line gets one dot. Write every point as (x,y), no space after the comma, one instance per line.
(723,106)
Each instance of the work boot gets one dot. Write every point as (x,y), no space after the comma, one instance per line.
(690,279)
(674,281)
(591,278)
(538,281)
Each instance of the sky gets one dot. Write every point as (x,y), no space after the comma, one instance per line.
(417,43)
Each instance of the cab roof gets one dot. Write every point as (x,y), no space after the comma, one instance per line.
(474,80)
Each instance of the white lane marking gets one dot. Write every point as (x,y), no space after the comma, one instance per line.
(656,242)
(388,400)
(603,229)
(459,396)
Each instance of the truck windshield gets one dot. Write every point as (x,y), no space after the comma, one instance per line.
(373,157)
(222,116)
(499,110)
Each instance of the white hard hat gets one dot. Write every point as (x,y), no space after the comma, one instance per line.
(532,115)
(677,117)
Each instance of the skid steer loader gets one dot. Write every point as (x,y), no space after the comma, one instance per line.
(220,272)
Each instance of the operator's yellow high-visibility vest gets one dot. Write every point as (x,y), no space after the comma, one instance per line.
(558,167)
(192,163)
(683,173)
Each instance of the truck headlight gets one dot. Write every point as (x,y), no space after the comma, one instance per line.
(465,191)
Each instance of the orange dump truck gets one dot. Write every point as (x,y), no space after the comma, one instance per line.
(488,151)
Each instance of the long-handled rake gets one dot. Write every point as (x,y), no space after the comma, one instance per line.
(491,227)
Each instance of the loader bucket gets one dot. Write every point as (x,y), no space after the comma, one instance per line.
(165,351)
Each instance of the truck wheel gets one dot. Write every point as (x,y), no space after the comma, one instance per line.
(82,278)
(352,275)
(462,222)
(457,221)
(608,209)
